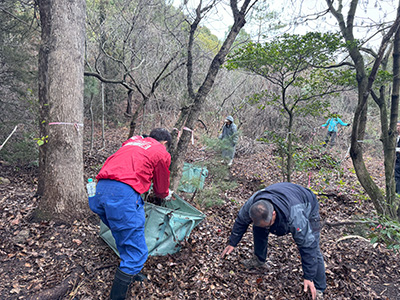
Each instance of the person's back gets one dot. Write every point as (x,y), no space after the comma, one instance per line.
(138,162)
(288,197)
(283,208)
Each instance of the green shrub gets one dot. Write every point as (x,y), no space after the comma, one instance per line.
(218,180)
(387,232)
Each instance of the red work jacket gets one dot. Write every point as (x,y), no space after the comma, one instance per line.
(138,162)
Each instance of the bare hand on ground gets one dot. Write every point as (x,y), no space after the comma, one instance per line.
(227,250)
(310,284)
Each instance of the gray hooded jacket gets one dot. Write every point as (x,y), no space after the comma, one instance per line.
(297,212)
(230,138)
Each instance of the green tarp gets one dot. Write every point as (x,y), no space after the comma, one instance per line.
(166,226)
(193,178)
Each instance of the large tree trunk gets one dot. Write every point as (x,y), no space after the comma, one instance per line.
(61,85)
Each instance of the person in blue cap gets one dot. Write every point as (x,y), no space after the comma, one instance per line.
(229,139)
(332,129)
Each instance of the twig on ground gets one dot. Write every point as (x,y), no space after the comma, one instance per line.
(352,237)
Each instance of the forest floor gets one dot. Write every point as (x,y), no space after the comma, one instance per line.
(51,261)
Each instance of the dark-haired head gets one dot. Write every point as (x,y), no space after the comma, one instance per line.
(161,134)
(261,212)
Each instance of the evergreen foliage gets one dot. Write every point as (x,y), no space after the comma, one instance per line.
(19,39)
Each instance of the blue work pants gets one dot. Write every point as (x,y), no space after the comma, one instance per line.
(120,207)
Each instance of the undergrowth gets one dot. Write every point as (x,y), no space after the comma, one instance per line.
(219,180)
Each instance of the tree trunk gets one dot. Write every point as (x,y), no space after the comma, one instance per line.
(199,98)
(129,103)
(383,205)
(394,202)
(389,133)
(103,112)
(135,116)
(289,148)
(179,124)
(91,122)
(61,67)
(356,151)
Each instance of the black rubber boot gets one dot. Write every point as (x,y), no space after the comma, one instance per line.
(139,277)
(120,286)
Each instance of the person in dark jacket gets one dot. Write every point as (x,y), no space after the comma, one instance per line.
(397,163)
(284,208)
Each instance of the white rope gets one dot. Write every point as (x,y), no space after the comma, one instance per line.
(8,137)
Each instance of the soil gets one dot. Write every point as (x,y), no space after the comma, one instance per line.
(52,261)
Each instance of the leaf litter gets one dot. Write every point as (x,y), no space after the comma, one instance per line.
(52,261)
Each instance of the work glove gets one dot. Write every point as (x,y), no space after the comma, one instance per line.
(169,197)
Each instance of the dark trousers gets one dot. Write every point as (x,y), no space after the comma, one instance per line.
(330,135)
(260,236)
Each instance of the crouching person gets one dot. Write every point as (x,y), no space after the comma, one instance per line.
(284,208)
(126,175)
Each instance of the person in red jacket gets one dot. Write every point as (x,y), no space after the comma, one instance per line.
(126,175)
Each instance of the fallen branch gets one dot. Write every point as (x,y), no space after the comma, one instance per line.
(352,237)
(59,290)
(336,224)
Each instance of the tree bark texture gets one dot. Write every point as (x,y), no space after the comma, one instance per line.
(61,68)
(395,203)
(289,148)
